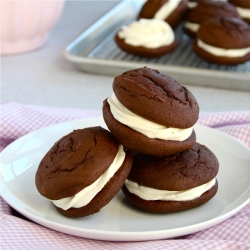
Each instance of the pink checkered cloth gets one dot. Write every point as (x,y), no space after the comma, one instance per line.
(19,233)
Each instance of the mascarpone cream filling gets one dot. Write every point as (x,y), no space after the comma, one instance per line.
(148,194)
(244,13)
(192,26)
(143,126)
(223,52)
(192,5)
(149,33)
(166,9)
(87,194)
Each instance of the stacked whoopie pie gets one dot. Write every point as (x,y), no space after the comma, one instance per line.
(83,171)
(153,115)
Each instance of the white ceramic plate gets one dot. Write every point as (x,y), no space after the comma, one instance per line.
(119,221)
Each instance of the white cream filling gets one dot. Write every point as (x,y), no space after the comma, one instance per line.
(166,9)
(149,33)
(223,52)
(192,26)
(244,13)
(192,5)
(149,194)
(143,126)
(87,194)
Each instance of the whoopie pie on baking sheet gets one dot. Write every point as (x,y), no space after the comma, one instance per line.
(243,7)
(146,38)
(228,41)
(206,10)
(171,11)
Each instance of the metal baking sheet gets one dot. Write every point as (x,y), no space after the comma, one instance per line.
(95,51)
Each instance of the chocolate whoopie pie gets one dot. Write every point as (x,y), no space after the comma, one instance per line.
(243,7)
(172,183)
(146,38)
(69,171)
(171,11)
(223,41)
(151,113)
(204,11)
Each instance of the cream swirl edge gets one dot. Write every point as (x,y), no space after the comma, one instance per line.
(244,12)
(192,5)
(143,126)
(223,52)
(148,33)
(85,196)
(166,9)
(192,26)
(149,194)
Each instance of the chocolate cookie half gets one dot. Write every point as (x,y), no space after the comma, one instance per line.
(151,113)
(171,11)
(83,171)
(173,183)
(223,41)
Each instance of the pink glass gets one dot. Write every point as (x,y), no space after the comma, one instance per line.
(25,25)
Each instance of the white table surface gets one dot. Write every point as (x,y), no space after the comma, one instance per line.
(45,77)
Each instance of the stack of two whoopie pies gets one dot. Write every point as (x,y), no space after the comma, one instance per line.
(153,115)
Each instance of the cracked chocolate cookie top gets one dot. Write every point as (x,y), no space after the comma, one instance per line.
(156,97)
(191,168)
(210,9)
(75,161)
(225,32)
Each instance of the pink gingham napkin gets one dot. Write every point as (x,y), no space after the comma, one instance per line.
(19,233)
